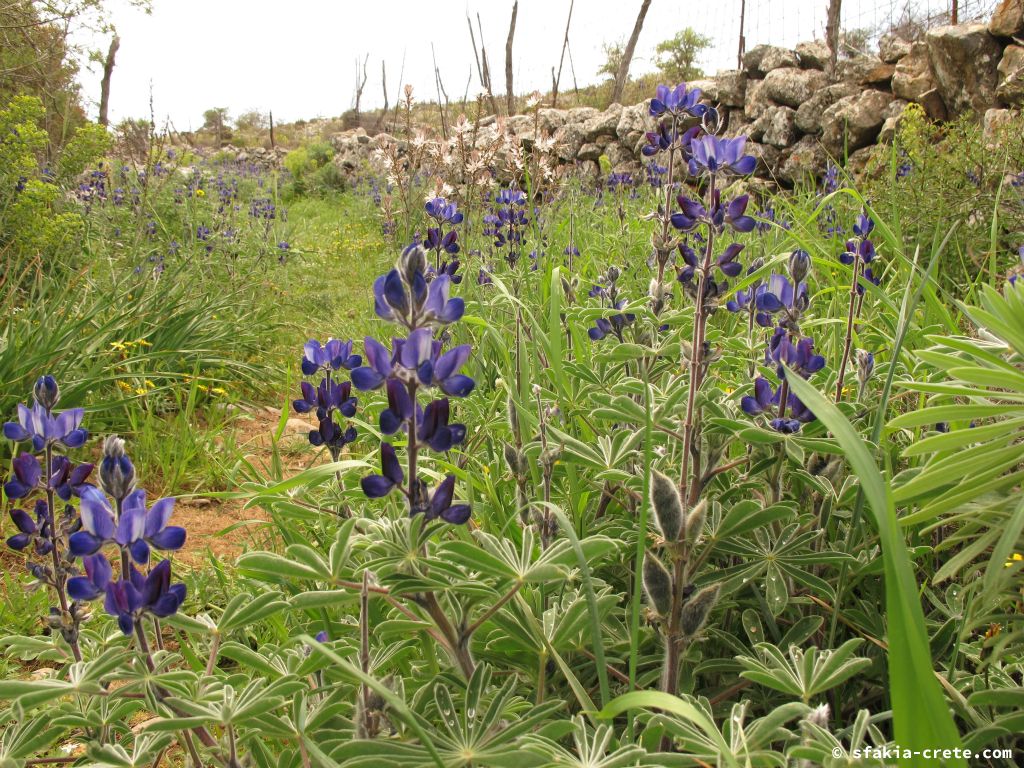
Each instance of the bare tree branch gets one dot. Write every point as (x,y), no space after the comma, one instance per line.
(108,70)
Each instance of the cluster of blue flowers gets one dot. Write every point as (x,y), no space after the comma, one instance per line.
(415,364)
(507,222)
(780,304)
(113,516)
(328,396)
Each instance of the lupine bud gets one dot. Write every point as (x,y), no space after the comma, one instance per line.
(657,584)
(46,392)
(799,265)
(668,507)
(412,261)
(695,521)
(697,608)
(865,367)
(117,473)
(818,716)
(613,274)
(515,460)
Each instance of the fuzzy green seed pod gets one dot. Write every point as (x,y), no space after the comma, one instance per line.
(668,507)
(515,460)
(695,521)
(513,416)
(657,584)
(697,608)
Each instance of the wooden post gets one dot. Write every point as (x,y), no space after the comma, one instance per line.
(955,15)
(271,129)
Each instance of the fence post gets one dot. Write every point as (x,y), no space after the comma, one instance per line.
(955,15)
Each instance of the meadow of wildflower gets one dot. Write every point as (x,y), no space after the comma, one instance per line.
(664,468)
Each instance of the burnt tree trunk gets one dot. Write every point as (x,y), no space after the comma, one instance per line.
(832,35)
(510,99)
(627,55)
(108,70)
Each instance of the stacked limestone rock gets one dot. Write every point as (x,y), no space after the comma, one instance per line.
(795,115)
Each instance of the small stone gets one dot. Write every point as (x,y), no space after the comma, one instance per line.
(892,48)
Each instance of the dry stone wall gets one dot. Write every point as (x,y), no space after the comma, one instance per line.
(797,116)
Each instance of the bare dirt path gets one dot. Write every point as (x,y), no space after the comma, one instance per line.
(225,528)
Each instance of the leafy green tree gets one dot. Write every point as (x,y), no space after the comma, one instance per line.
(677,56)
(612,58)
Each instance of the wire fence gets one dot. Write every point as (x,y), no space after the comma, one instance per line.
(788,22)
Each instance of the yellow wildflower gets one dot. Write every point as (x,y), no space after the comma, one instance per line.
(1013,559)
(149,384)
(124,385)
(219,391)
(200,193)
(140,390)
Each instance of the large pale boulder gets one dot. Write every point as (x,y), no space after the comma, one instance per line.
(792,87)
(728,88)
(808,116)
(1008,19)
(867,70)
(1011,76)
(814,54)
(757,99)
(775,127)
(855,121)
(893,115)
(550,120)
(892,48)
(762,59)
(998,121)
(602,124)
(965,59)
(913,76)
(634,123)
(805,159)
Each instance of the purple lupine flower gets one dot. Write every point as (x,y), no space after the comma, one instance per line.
(27,474)
(444,212)
(765,400)
(331,356)
(779,296)
(132,598)
(42,427)
(677,102)
(718,155)
(98,575)
(441,506)
(800,357)
(377,486)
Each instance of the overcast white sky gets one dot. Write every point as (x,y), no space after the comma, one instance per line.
(298,58)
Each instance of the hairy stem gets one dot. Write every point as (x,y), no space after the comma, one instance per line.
(849,329)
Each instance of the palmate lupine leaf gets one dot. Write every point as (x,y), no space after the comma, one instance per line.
(921,718)
(804,673)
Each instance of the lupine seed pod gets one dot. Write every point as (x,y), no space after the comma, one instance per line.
(697,608)
(695,521)
(513,415)
(515,460)
(657,584)
(668,507)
